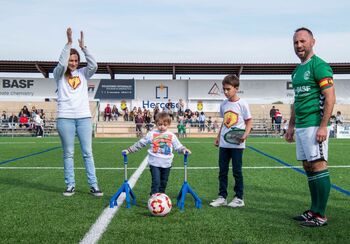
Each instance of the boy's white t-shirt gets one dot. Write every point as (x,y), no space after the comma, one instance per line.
(234,115)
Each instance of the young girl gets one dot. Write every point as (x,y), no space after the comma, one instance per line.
(160,154)
(236,116)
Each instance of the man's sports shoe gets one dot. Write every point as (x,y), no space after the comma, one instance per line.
(236,203)
(70,190)
(315,221)
(96,192)
(304,216)
(220,201)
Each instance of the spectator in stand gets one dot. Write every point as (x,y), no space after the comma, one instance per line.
(155,112)
(107,113)
(13,120)
(284,127)
(339,119)
(201,120)
(272,116)
(4,117)
(24,110)
(215,125)
(147,119)
(115,113)
(126,114)
(181,129)
(188,116)
(133,114)
(34,111)
(180,108)
(24,121)
(139,123)
(39,123)
(195,119)
(278,121)
(169,109)
(209,124)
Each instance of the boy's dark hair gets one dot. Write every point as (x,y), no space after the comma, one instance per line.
(164,117)
(304,29)
(232,80)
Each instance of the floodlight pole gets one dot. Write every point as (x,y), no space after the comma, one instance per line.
(124,188)
(187,189)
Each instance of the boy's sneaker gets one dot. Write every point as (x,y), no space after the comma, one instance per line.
(315,221)
(70,190)
(96,192)
(304,216)
(220,201)
(236,203)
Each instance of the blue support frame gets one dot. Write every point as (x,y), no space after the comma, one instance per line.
(124,188)
(186,188)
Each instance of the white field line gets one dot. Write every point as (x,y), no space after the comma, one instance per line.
(101,224)
(177,168)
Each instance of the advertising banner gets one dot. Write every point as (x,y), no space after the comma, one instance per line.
(343,131)
(116,89)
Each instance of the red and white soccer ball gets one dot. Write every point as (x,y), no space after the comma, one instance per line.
(159,204)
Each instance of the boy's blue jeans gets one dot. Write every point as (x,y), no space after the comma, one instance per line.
(159,179)
(225,155)
(67,128)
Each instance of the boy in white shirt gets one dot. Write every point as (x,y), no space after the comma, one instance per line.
(236,116)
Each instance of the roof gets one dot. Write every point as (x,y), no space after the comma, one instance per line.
(46,67)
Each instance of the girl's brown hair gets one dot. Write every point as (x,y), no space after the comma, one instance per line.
(68,73)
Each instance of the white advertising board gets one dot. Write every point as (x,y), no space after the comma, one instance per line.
(343,131)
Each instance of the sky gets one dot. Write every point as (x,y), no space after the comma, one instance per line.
(176,31)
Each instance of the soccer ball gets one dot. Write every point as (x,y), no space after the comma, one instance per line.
(159,204)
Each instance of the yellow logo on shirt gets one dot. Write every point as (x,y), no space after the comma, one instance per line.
(230,118)
(74,82)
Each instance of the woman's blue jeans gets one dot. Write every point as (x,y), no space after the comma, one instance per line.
(67,129)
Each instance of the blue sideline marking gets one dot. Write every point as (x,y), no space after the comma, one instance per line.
(335,187)
(29,155)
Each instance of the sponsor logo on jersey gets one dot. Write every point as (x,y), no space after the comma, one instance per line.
(307,75)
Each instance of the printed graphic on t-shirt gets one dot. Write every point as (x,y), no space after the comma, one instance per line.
(74,82)
(230,118)
(162,143)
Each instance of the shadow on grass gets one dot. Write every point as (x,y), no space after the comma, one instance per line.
(26,184)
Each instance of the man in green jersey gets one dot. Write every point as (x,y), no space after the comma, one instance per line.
(313,105)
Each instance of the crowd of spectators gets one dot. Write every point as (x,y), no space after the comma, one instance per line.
(144,118)
(33,120)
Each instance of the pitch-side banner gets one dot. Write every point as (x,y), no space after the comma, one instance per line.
(254,91)
(147,93)
(343,131)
